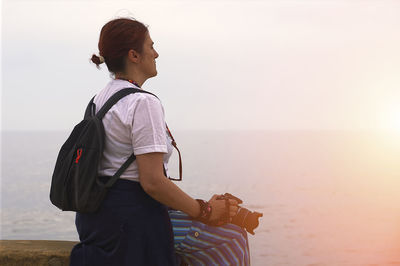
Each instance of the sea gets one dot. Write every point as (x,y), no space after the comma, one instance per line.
(327,197)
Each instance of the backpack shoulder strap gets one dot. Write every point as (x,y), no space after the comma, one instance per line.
(115,98)
(117,174)
(90,109)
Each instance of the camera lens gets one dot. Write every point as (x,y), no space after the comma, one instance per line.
(247,219)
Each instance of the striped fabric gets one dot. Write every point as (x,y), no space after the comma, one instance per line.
(200,244)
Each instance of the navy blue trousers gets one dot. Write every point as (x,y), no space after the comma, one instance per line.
(130,228)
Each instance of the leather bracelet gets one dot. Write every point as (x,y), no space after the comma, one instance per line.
(205,211)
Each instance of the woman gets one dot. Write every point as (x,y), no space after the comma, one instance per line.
(132,227)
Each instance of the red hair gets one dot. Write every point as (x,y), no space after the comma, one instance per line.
(117,37)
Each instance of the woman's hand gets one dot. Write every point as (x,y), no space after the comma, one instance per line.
(219,210)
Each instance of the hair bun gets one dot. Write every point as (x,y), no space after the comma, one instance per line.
(97,59)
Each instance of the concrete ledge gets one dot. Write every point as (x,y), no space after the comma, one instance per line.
(35,252)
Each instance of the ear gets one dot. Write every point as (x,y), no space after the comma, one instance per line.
(133,56)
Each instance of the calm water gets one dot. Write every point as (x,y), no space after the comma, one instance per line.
(328,198)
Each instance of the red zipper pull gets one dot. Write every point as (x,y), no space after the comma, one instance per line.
(78,155)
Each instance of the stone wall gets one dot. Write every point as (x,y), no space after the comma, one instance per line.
(35,252)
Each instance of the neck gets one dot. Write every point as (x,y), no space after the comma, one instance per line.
(136,78)
(130,80)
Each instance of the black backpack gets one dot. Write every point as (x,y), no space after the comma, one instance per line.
(75,184)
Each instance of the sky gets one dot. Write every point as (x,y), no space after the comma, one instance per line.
(223,65)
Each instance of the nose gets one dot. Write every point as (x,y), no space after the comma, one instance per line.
(156,54)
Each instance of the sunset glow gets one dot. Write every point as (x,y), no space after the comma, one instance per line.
(396,121)
(389,120)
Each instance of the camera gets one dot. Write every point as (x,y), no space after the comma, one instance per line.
(244,217)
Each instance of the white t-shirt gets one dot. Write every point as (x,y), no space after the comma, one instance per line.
(136,123)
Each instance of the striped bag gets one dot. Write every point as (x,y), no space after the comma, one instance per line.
(200,244)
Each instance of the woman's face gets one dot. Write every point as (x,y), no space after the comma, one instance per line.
(148,58)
